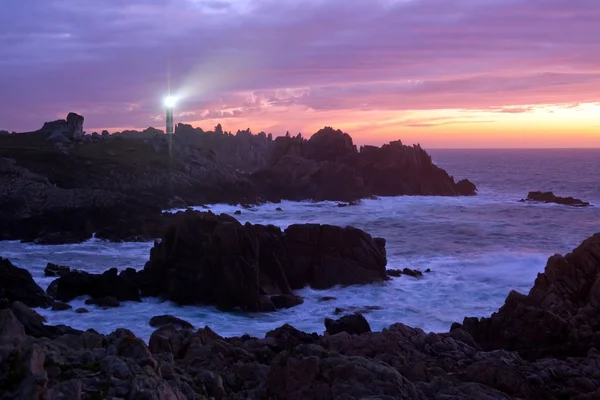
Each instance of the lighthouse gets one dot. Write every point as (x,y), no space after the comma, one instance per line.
(170,102)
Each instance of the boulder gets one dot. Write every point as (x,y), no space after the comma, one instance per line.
(162,320)
(18,285)
(56,270)
(549,197)
(205,258)
(353,324)
(323,256)
(560,317)
(121,286)
(65,131)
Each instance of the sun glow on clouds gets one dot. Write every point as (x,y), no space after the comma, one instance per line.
(464,73)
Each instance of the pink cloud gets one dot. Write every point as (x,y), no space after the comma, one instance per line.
(264,57)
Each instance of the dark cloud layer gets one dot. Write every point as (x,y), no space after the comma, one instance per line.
(110,59)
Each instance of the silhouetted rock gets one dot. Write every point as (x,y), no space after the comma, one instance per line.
(162,320)
(204,258)
(58,306)
(68,130)
(108,284)
(17,284)
(56,270)
(549,197)
(560,317)
(354,324)
(104,302)
(415,273)
(328,167)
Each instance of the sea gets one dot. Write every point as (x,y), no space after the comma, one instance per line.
(478,248)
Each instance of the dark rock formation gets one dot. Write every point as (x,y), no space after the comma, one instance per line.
(17,284)
(46,194)
(121,286)
(162,320)
(56,270)
(560,317)
(353,324)
(64,131)
(208,259)
(398,363)
(549,197)
(329,167)
(415,273)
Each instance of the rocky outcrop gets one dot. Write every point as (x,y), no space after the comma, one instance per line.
(205,258)
(329,167)
(549,197)
(17,284)
(399,362)
(560,317)
(120,286)
(64,130)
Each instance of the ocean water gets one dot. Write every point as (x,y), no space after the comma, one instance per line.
(478,248)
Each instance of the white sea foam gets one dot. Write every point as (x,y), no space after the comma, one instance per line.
(479,249)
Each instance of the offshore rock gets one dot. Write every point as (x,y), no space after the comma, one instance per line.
(549,197)
(205,258)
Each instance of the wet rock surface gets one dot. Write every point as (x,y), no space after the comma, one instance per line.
(205,258)
(560,317)
(539,346)
(549,197)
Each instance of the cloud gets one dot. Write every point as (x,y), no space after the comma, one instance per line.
(263,57)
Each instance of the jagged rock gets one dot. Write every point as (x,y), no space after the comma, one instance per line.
(65,131)
(56,270)
(104,302)
(415,273)
(208,259)
(58,306)
(161,320)
(560,317)
(549,197)
(354,324)
(18,285)
(108,284)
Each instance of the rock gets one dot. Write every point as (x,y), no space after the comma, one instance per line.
(68,130)
(208,259)
(278,209)
(11,329)
(82,310)
(549,197)
(69,390)
(354,324)
(58,306)
(346,256)
(560,317)
(108,284)
(104,302)
(286,301)
(327,298)
(18,285)
(238,212)
(161,320)
(356,310)
(56,270)
(415,273)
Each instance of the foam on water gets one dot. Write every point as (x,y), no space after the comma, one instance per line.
(479,249)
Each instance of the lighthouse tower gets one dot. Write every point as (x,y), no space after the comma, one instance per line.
(170,104)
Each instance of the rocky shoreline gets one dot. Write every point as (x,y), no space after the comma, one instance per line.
(540,346)
(60,185)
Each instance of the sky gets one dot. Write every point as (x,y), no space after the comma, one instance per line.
(442,73)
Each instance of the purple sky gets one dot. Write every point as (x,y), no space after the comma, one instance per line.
(265,63)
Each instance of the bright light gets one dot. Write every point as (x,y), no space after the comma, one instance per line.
(170,101)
